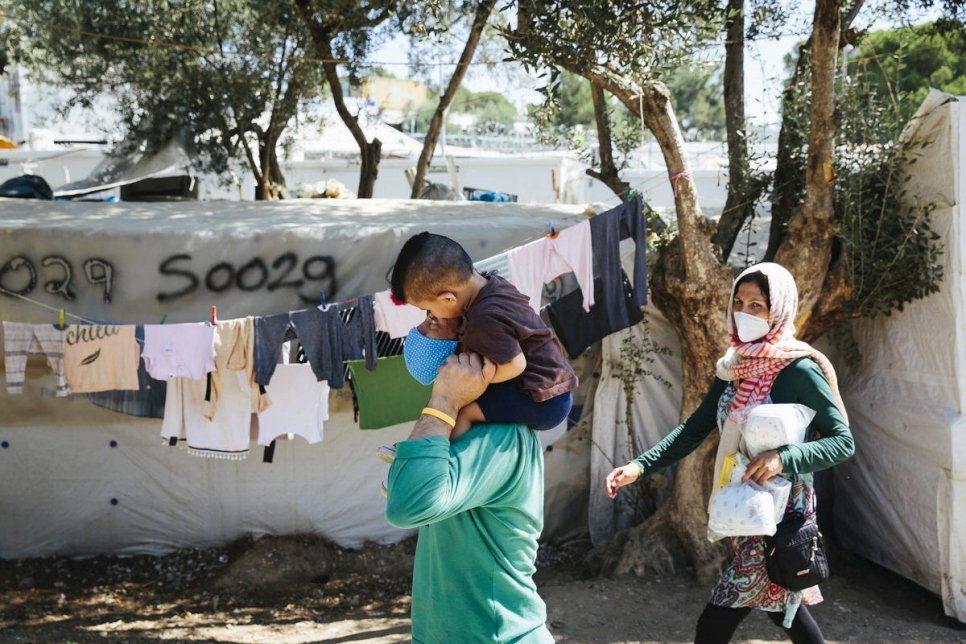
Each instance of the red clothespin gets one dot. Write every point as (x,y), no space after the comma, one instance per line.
(214,314)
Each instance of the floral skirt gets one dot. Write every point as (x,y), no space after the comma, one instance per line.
(744,582)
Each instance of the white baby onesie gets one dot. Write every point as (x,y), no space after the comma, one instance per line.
(536,263)
(300,405)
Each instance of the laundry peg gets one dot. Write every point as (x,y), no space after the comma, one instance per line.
(60,320)
(322,299)
(553,231)
(214,314)
(163,318)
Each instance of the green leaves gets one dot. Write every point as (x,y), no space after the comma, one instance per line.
(885,229)
(214,73)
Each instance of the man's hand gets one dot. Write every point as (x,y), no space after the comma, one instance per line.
(763,467)
(460,381)
(619,477)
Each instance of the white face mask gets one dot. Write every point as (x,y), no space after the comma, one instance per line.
(750,328)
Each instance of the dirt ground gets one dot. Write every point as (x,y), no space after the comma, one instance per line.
(297,590)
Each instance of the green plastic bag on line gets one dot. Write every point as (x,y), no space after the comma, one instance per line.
(389,395)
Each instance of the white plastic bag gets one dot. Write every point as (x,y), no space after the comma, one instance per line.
(779,488)
(745,509)
(771,426)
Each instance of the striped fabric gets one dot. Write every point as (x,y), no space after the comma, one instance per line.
(757,364)
(21,341)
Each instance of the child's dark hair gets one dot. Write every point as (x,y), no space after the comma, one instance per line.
(760,280)
(427,265)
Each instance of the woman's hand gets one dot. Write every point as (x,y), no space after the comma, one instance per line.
(763,467)
(620,477)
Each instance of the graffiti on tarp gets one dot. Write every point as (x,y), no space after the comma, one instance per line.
(19,274)
(285,271)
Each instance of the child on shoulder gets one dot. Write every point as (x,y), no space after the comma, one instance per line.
(487,315)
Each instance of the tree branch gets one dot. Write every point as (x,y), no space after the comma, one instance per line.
(740,204)
(483,11)
(321,38)
(787,177)
(608,169)
(807,242)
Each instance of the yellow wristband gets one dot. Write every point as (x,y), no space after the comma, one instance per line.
(446,418)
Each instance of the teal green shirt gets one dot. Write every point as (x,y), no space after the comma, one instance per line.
(478,504)
(800,382)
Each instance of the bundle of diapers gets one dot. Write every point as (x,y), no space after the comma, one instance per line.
(772,426)
(742,510)
(745,509)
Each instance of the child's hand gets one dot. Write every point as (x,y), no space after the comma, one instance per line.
(619,477)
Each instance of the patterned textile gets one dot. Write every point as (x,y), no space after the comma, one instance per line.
(23,340)
(758,363)
(744,581)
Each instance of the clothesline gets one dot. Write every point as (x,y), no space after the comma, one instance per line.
(198,361)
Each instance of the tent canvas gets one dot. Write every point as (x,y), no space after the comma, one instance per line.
(79,479)
(901,501)
(113,172)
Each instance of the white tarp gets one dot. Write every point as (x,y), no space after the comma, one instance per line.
(59,472)
(901,501)
(114,172)
(655,409)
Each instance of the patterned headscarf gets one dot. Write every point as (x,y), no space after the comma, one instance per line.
(756,364)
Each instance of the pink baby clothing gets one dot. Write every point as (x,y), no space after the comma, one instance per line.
(533,265)
(22,340)
(179,350)
(300,405)
(395,319)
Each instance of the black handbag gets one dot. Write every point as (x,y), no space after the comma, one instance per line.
(794,557)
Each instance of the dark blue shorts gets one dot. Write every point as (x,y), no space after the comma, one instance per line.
(505,402)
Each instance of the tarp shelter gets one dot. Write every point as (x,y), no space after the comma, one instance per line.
(901,499)
(79,479)
(114,172)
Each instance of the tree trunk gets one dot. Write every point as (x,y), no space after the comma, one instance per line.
(271,181)
(690,285)
(483,11)
(807,242)
(370,152)
(608,169)
(742,197)
(787,179)
(691,288)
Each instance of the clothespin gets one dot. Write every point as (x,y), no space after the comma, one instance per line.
(163,318)
(553,231)
(60,320)
(214,314)
(322,299)
(630,193)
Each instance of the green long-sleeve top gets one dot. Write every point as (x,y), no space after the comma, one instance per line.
(800,382)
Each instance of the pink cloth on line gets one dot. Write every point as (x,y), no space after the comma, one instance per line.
(533,265)
(179,350)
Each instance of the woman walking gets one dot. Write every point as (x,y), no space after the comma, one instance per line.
(765,364)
